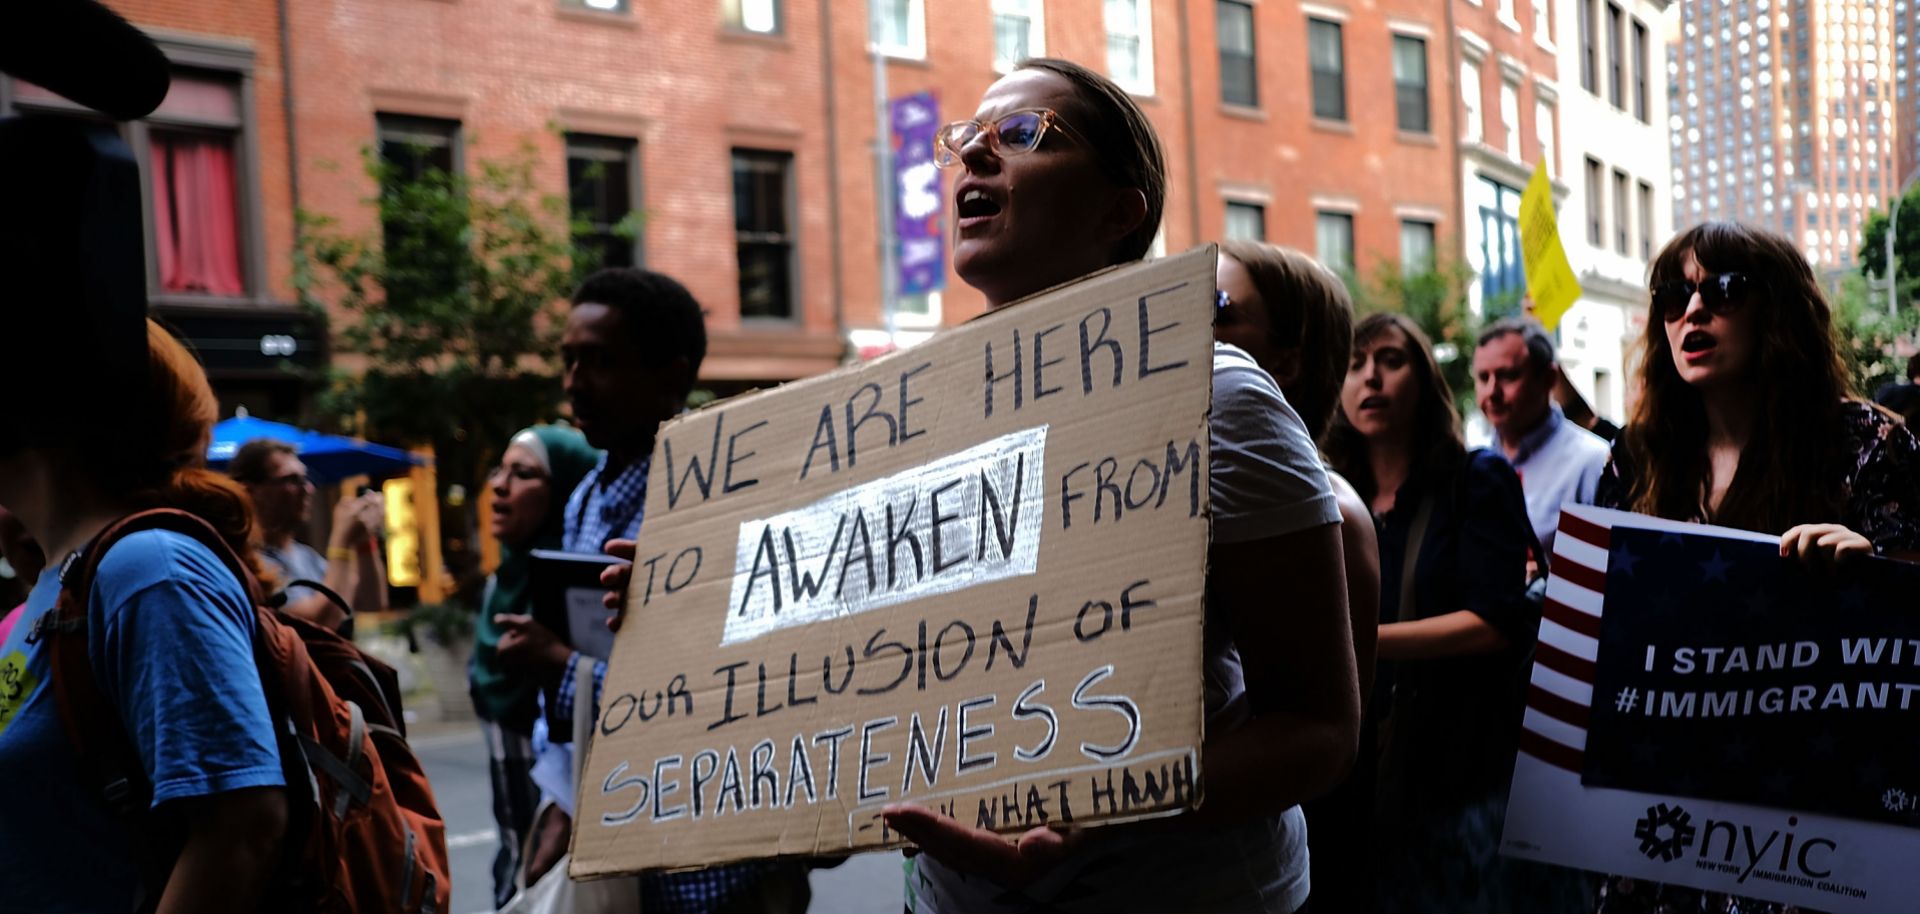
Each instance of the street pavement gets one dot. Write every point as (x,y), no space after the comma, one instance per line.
(456,763)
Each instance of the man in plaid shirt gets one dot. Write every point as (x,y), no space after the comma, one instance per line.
(632,349)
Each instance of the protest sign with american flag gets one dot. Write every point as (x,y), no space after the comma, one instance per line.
(1682,836)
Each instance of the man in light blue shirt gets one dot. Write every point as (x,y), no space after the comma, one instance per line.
(1514,369)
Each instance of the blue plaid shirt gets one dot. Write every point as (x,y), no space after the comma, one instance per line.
(596,514)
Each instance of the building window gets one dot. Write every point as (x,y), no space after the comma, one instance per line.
(1416,246)
(1333,241)
(1620,223)
(1640,64)
(1327,58)
(414,148)
(1471,123)
(418,155)
(762,202)
(1542,22)
(1596,203)
(604,6)
(1543,127)
(1616,59)
(1410,84)
(1239,78)
(1019,32)
(202,237)
(1246,222)
(1130,44)
(1503,278)
(1510,119)
(1646,221)
(1589,51)
(762,16)
(900,28)
(194,151)
(602,174)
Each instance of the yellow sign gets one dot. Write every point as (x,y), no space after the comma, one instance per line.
(403,534)
(1550,279)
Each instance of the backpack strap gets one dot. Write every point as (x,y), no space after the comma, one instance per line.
(110,764)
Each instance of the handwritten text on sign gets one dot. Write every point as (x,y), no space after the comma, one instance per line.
(969,575)
(895,537)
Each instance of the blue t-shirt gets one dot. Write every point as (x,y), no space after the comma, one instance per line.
(170,637)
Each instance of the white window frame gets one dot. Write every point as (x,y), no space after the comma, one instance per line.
(1544,115)
(1510,119)
(1473,120)
(1034,11)
(771,8)
(1352,254)
(916,46)
(1509,15)
(1142,28)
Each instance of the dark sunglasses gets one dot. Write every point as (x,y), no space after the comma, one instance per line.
(1720,295)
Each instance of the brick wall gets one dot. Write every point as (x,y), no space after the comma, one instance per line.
(689,89)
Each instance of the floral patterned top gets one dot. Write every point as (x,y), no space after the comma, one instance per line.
(1882,497)
(1881,489)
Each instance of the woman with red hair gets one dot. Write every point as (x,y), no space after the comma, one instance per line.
(169,634)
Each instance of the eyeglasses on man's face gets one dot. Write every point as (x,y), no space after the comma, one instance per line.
(1011,134)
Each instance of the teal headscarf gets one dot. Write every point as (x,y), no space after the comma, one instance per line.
(500,694)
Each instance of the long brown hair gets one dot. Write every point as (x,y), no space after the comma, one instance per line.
(1308,309)
(1123,142)
(1438,447)
(1791,467)
(162,457)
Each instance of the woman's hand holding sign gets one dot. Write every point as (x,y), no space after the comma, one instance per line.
(1823,545)
(977,851)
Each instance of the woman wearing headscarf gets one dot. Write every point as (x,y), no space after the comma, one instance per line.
(539,467)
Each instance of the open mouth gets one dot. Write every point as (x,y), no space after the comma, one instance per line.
(1697,341)
(975,204)
(1375,402)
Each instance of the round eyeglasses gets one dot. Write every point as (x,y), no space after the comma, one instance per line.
(1011,134)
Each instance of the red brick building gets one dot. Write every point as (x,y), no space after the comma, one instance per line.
(219,201)
(743,131)
(1505,75)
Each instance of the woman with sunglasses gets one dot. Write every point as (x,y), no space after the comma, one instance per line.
(1062,175)
(1747,419)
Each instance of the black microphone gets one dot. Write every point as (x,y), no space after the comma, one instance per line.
(86,52)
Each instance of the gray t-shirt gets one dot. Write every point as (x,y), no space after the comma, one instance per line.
(1266,480)
(297,562)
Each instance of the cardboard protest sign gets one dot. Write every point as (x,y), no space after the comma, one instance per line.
(1715,716)
(968,575)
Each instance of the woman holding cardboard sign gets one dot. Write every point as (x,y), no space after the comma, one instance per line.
(1061,175)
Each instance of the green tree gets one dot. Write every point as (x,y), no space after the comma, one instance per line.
(455,308)
(1873,246)
(1436,299)
(1868,336)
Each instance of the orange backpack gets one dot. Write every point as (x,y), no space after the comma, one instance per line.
(363,833)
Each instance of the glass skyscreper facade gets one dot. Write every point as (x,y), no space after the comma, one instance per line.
(1784,114)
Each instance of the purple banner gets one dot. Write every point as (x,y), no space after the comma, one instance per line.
(918,206)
